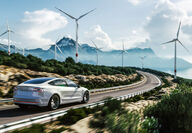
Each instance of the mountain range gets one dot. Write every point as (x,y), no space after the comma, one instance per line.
(87,54)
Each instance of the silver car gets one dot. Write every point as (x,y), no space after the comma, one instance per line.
(50,92)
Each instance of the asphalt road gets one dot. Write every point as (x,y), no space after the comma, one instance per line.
(12,113)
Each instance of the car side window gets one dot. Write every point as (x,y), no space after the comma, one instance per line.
(58,82)
(70,83)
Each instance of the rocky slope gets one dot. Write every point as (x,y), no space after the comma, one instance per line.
(11,77)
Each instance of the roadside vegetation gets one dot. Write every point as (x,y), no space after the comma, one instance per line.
(170,113)
(110,83)
(63,68)
(174,111)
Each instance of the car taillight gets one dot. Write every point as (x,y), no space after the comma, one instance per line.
(37,89)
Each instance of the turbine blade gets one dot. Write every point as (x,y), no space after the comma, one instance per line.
(66,13)
(4,33)
(94,44)
(178,30)
(57,40)
(100,48)
(51,45)
(183,46)
(123,45)
(3,47)
(58,48)
(7,25)
(169,41)
(85,14)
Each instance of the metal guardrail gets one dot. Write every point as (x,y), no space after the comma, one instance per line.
(94,90)
(6,100)
(53,116)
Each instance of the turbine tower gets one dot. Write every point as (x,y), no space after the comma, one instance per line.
(23,51)
(122,52)
(8,31)
(142,59)
(77,26)
(97,49)
(175,48)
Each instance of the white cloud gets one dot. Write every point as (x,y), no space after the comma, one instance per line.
(5,41)
(40,22)
(100,37)
(185,4)
(135,39)
(134,2)
(163,24)
(134,31)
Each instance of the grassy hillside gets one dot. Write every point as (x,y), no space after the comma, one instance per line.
(16,68)
(63,68)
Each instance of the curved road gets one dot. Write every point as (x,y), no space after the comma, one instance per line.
(12,113)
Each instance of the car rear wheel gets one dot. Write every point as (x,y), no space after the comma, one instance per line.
(54,102)
(85,97)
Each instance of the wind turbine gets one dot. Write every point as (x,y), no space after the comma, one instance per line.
(97,49)
(142,59)
(8,31)
(23,51)
(56,47)
(77,26)
(122,52)
(175,54)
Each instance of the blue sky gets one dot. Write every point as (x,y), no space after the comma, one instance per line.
(140,23)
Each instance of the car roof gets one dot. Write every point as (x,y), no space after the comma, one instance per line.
(41,80)
(48,78)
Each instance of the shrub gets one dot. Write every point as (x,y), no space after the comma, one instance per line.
(173,112)
(62,68)
(109,107)
(9,94)
(72,116)
(124,123)
(58,130)
(135,98)
(36,128)
(166,82)
(70,60)
(112,105)
(1,93)
(149,125)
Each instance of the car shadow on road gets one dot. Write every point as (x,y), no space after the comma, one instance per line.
(16,112)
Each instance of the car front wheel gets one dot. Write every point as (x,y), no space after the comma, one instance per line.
(85,97)
(54,102)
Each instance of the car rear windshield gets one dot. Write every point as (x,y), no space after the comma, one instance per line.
(37,81)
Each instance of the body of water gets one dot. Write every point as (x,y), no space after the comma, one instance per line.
(186,73)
